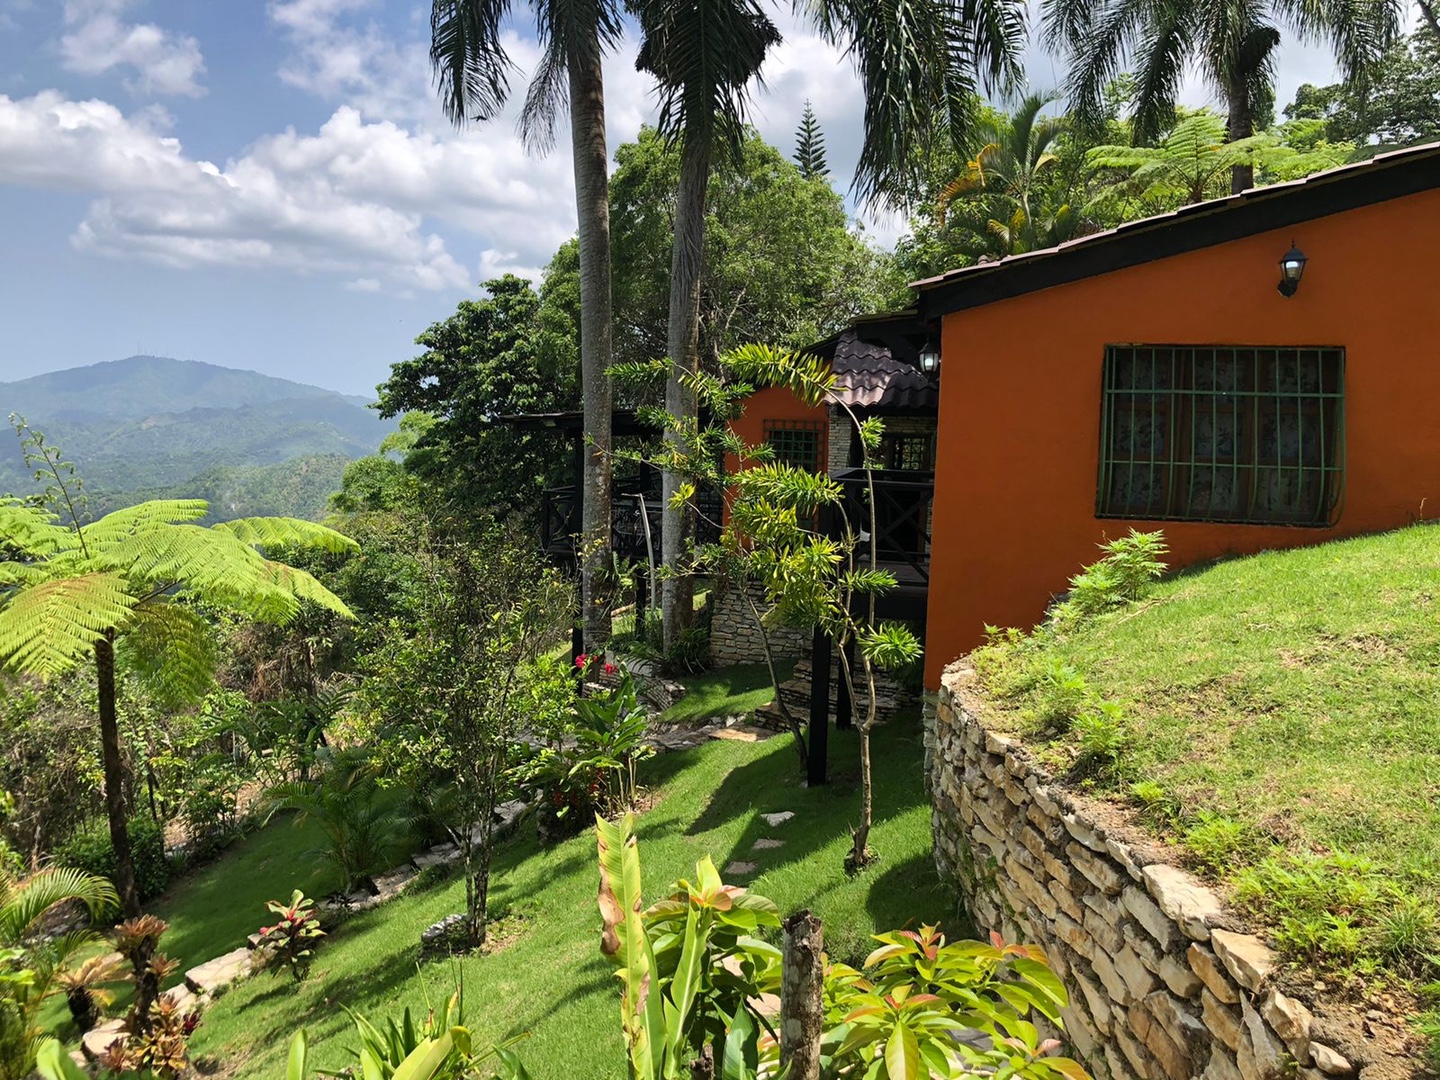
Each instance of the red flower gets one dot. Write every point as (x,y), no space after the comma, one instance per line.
(581,660)
(609,669)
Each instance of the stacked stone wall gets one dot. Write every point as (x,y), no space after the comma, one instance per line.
(734,636)
(1164,982)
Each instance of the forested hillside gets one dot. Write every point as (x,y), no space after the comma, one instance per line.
(149,426)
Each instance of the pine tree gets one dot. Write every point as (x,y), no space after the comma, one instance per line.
(810,147)
(115,593)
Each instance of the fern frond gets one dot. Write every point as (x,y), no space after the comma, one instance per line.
(32,531)
(14,574)
(116,526)
(172,650)
(269,532)
(201,560)
(48,628)
(304,586)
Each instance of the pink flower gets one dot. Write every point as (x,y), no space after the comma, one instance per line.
(609,669)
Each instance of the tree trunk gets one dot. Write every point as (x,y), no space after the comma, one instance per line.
(802,997)
(686,261)
(592,207)
(1428,10)
(115,777)
(784,710)
(1240,124)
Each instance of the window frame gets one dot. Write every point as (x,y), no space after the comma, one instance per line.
(1192,401)
(783,428)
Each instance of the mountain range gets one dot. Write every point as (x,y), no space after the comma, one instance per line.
(151,426)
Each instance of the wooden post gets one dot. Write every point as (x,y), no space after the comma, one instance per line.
(819,710)
(802,997)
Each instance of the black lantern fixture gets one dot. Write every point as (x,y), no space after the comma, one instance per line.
(1292,269)
(929,357)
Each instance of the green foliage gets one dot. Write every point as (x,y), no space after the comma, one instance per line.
(89,849)
(290,942)
(513,351)
(1061,695)
(1130,565)
(897,1019)
(1101,736)
(438,1048)
(810,147)
(31,963)
(691,965)
(1340,911)
(1219,843)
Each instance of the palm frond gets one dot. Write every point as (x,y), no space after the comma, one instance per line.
(469,62)
(272,532)
(28,900)
(51,627)
(172,651)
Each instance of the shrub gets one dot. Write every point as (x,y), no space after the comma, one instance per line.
(1102,736)
(291,941)
(89,849)
(1060,695)
(1128,567)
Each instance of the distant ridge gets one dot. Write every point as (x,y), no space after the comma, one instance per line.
(139,386)
(145,424)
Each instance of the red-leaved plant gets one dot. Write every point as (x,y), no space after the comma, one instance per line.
(290,942)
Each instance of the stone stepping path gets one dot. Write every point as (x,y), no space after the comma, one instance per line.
(767,844)
(97,1040)
(222,971)
(777,819)
(740,869)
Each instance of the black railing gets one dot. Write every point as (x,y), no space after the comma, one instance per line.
(902,515)
(636,503)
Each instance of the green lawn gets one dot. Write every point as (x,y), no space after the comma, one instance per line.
(551,981)
(733,691)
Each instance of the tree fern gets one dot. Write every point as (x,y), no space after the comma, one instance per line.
(70,591)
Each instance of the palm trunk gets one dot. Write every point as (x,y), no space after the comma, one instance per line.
(1240,124)
(592,206)
(686,260)
(115,777)
(1428,10)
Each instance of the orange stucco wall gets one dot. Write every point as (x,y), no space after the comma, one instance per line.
(776,403)
(1020,408)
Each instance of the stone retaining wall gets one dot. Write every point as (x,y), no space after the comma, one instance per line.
(1164,984)
(734,637)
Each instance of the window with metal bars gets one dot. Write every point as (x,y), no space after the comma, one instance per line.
(1225,434)
(796,443)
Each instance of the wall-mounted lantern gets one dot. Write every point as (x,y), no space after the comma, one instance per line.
(1292,269)
(930,357)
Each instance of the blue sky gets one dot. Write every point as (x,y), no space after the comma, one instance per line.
(270,185)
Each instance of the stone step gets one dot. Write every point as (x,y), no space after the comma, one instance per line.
(222,971)
(97,1040)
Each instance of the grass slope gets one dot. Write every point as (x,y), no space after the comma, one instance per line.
(1295,693)
(551,981)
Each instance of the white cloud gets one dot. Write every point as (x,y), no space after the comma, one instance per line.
(354,198)
(98,40)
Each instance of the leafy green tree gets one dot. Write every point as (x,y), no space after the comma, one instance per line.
(509,352)
(1399,107)
(121,590)
(1234,46)
(467,52)
(810,147)
(1191,164)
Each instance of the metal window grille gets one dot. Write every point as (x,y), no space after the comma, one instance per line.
(796,443)
(912,452)
(1222,434)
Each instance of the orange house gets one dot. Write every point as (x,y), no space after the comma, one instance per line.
(1155,377)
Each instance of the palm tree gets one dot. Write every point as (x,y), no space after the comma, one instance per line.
(1232,41)
(30,968)
(472,71)
(920,63)
(117,590)
(1002,190)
